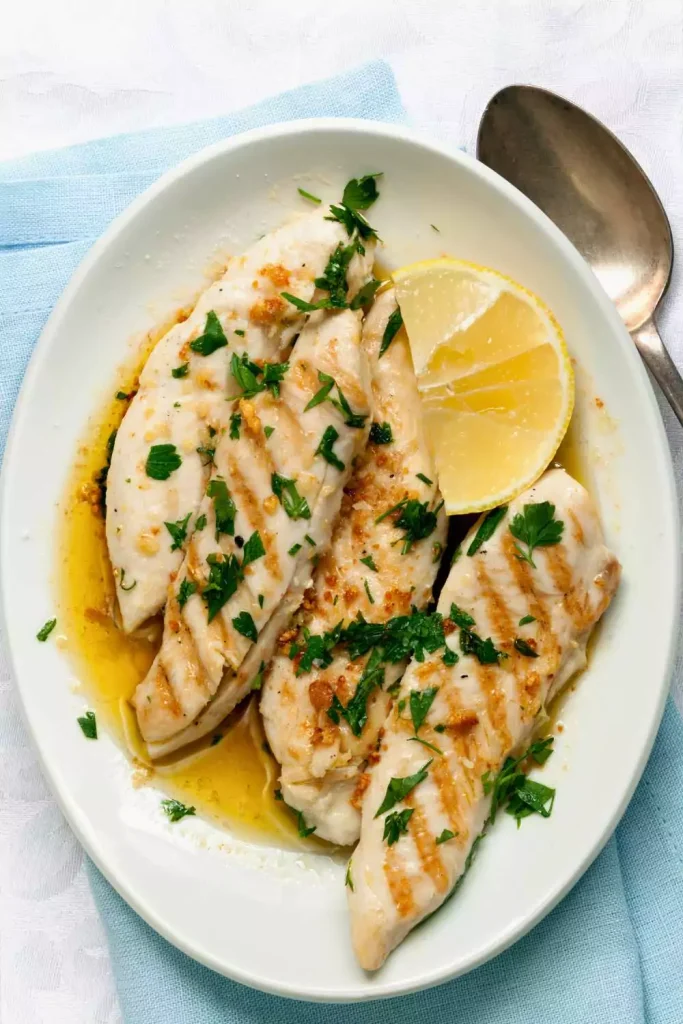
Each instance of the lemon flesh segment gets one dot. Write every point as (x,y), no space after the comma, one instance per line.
(495,377)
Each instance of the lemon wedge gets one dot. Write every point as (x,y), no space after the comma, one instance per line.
(495,378)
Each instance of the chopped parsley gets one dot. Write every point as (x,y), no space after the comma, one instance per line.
(356,711)
(365,295)
(333,279)
(273,374)
(253,550)
(307,195)
(484,651)
(352,220)
(368,592)
(292,502)
(361,193)
(348,881)
(420,703)
(370,562)
(445,836)
(328,383)
(224,576)
(511,786)
(44,631)
(235,424)
(213,337)
(246,375)
(261,599)
(123,396)
(398,789)
(437,551)
(525,648)
(450,657)
(309,540)
(223,506)
(162,460)
(88,724)
(178,531)
(325,448)
(526,619)
(101,478)
(245,625)
(303,830)
(180,371)
(487,528)
(380,433)
(536,527)
(240,333)
(268,431)
(131,586)
(416,519)
(174,810)
(396,825)
(461,618)
(317,650)
(425,479)
(429,746)
(185,591)
(200,522)
(295,549)
(351,419)
(394,325)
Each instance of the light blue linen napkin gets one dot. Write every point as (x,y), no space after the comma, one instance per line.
(612,952)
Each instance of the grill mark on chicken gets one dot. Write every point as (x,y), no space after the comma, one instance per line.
(399,885)
(425,844)
(254,512)
(449,795)
(576,599)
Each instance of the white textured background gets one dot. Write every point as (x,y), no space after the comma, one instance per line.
(72,70)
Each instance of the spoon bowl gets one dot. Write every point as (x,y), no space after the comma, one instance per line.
(588,183)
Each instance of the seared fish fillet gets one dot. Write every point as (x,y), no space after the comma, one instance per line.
(179,410)
(489,710)
(285,494)
(322,762)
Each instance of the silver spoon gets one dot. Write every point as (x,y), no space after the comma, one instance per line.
(578,173)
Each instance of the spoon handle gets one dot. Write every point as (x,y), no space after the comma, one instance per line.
(662,366)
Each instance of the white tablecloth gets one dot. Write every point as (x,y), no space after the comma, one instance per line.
(75,70)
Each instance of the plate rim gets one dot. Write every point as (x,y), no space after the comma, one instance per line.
(668,509)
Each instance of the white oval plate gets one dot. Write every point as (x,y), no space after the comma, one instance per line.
(272,919)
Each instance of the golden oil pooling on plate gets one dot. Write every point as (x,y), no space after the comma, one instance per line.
(230,779)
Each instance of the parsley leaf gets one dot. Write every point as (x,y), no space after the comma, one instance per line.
(526,620)
(318,650)
(88,724)
(414,518)
(246,375)
(223,506)
(44,631)
(200,522)
(445,836)
(396,825)
(224,576)
(253,549)
(365,295)
(180,371)
(327,384)
(536,527)
(487,528)
(208,452)
(286,491)
(307,195)
(101,478)
(295,549)
(178,531)
(356,711)
(461,618)
(380,433)
(162,460)
(525,648)
(483,650)
(394,325)
(306,307)
(185,591)
(273,374)
(174,810)
(424,743)
(368,592)
(257,682)
(245,625)
(333,279)
(398,789)
(352,221)
(512,786)
(326,445)
(351,418)
(268,431)
(425,479)
(370,562)
(420,703)
(235,424)
(213,337)
(348,881)
(450,657)
(361,193)
(303,830)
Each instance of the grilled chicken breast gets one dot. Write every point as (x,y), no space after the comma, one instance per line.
(270,507)
(322,761)
(489,710)
(181,399)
